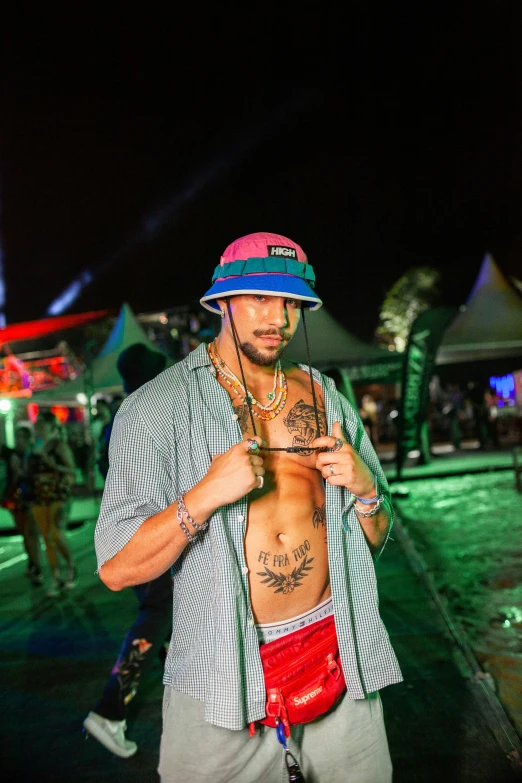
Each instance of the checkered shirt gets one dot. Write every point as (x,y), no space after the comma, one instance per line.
(162,444)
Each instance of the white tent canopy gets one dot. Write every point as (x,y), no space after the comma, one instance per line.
(105,376)
(490,324)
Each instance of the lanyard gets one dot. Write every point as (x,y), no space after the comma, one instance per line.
(292,767)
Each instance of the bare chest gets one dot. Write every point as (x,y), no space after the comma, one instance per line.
(295,427)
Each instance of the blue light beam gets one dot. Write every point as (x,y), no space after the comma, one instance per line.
(169,213)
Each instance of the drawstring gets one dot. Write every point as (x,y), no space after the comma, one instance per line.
(236,343)
(310,371)
(292,766)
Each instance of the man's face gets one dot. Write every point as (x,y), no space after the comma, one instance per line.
(264,324)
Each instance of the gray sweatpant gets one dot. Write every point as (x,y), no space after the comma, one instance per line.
(347,744)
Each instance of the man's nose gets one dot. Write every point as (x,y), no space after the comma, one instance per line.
(278,315)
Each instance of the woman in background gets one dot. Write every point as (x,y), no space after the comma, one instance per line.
(17,500)
(51,472)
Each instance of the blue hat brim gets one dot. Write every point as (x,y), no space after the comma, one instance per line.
(270,285)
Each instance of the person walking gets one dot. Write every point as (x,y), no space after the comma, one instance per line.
(253,479)
(107,722)
(51,472)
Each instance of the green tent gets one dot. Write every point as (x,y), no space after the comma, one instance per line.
(105,376)
(332,346)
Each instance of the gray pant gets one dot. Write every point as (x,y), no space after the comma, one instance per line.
(347,744)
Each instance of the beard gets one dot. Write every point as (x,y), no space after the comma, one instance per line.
(262,358)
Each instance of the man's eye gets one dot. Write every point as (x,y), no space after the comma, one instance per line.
(259,298)
(292,302)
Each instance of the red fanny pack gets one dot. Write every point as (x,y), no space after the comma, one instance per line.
(303,675)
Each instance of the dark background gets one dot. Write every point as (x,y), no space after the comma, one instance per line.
(377,137)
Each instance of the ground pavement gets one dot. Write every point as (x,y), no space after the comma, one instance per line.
(56,653)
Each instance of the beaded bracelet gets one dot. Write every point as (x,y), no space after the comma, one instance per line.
(182,509)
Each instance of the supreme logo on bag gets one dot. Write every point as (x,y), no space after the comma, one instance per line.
(305,697)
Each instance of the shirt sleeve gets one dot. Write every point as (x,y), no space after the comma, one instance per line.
(360,441)
(137,484)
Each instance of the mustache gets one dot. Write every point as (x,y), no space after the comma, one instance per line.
(271,333)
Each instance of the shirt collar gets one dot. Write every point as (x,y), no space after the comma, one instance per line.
(198,357)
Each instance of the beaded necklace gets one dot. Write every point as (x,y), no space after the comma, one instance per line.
(226,371)
(266,412)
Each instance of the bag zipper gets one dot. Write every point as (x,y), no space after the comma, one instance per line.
(297,661)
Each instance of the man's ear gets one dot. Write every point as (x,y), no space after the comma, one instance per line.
(222,306)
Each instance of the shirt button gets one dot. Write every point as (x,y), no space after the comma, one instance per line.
(244,570)
(251,622)
(241,517)
(235,417)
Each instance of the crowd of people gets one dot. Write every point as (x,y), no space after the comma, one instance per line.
(40,475)
(455,413)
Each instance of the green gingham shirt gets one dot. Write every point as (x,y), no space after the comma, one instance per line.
(162,444)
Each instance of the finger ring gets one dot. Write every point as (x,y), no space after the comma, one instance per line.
(260,482)
(338,444)
(253,445)
(331,469)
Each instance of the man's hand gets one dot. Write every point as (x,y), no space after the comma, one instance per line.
(343,468)
(234,474)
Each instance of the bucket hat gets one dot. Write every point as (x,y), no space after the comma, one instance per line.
(263,263)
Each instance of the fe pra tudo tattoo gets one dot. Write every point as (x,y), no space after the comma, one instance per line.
(286,583)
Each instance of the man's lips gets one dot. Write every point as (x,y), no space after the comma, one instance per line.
(271,339)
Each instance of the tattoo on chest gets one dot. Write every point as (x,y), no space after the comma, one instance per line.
(301,420)
(286,583)
(319,518)
(243,418)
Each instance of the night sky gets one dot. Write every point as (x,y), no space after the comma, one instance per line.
(140,147)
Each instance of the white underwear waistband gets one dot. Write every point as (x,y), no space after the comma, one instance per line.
(268,632)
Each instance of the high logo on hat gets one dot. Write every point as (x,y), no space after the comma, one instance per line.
(280,251)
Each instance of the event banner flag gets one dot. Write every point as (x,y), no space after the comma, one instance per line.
(423,343)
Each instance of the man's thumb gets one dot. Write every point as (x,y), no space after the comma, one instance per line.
(337,431)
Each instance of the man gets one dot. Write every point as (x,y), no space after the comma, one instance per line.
(221,468)
(137,365)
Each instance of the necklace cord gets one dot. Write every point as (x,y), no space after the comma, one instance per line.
(236,343)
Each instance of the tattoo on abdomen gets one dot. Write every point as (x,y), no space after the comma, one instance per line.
(286,583)
(319,518)
(301,419)
(278,561)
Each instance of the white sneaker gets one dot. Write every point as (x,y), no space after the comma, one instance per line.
(54,589)
(111,734)
(70,579)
